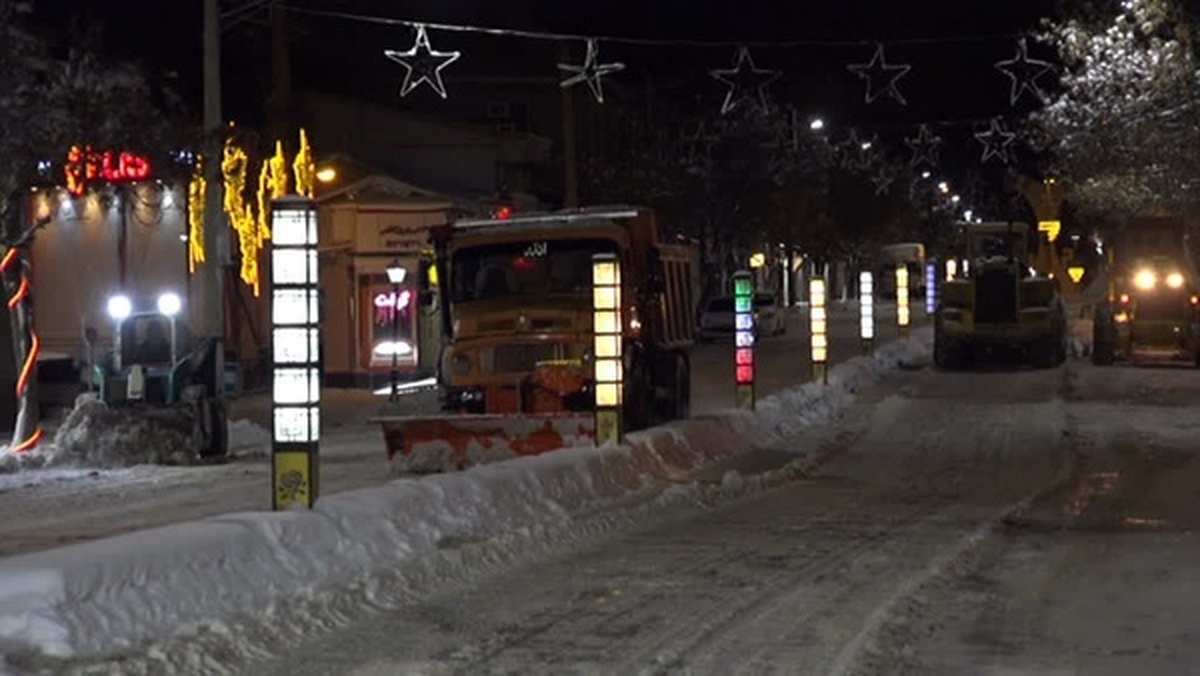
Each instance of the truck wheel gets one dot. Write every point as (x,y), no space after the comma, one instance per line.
(683,388)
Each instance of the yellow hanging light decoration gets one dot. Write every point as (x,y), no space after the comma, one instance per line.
(241,216)
(304,168)
(251,224)
(197,187)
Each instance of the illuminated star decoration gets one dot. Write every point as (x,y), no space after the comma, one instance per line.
(924,147)
(883,179)
(879,71)
(742,79)
(857,153)
(1024,72)
(996,141)
(423,64)
(590,72)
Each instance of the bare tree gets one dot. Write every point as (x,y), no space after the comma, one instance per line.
(48,105)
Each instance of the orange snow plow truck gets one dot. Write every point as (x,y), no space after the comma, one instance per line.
(515,298)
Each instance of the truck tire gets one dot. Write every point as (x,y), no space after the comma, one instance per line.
(673,389)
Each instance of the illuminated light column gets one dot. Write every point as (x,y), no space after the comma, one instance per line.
(743,338)
(296,365)
(931,286)
(866,311)
(902,316)
(951,269)
(819,328)
(607,360)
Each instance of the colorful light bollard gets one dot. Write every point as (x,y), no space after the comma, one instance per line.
(607,363)
(743,350)
(902,313)
(951,269)
(866,311)
(819,329)
(931,286)
(296,365)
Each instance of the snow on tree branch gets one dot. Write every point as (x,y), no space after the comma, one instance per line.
(1124,128)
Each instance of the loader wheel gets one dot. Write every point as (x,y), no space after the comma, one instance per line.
(1104,340)
(211,430)
(1047,352)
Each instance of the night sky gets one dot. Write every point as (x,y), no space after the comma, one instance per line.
(952,46)
(949,74)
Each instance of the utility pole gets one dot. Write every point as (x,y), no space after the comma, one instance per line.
(209,305)
(279,106)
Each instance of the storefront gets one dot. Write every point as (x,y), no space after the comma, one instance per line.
(369,320)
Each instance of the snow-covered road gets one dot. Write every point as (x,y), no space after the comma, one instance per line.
(52,507)
(994,522)
(804,578)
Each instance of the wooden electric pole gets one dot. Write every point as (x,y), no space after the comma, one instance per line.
(208,310)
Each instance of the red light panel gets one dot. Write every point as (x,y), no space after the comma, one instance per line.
(743,356)
(745,374)
(503,212)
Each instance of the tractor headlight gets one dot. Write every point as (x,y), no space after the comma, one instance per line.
(1145,279)
(169,304)
(1175,280)
(119,307)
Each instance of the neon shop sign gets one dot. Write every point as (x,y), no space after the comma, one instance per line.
(85,166)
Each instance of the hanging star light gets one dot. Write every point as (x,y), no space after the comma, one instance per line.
(996,141)
(590,72)
(879,71)
(1024,72)
(423,64)
(856,152)
(743,79)
(924,147)
(883,179)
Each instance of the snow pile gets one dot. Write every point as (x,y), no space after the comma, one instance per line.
(247,439)
(246,577)
(96,435)
(1080,337)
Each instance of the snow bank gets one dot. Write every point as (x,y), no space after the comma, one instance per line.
(123,593)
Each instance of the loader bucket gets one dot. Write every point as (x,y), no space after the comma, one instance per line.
(441,443)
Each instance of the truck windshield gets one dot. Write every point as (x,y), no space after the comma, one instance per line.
(531,268)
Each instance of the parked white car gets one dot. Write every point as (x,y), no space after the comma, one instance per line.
(716,318)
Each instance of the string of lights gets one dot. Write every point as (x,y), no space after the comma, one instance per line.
(654,42)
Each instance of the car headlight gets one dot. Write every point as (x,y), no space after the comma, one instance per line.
(461,364)
(1145,279)
(1175,280)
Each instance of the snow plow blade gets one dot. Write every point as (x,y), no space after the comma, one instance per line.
(443,443)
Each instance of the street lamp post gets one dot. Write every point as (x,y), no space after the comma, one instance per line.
(396,273)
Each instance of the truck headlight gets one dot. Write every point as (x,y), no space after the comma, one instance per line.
(461,364)
(1145,279)
(1174,280)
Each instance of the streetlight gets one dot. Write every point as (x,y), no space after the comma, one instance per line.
(396,273)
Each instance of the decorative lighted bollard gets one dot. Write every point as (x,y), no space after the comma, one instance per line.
(902,314)
(866,311)
(296,365)
(743,338)
(607,364)
(818,321)
(931,286)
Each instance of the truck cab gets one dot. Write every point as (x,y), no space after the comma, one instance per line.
(516,305)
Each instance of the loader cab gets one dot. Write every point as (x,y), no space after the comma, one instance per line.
(148,346)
